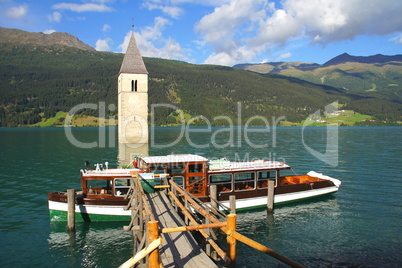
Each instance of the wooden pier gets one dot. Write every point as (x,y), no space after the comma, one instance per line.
(161,221)
(179,249)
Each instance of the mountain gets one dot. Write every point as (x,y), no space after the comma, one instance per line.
(379,74)
(41,83)
(376,59)
(14,36)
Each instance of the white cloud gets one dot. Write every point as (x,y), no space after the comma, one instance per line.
(123,46)
(277,29)
(284,56)
(222,28)
(172,11)
(220,59)
(103,1)
(397,39)
(317,38)
(104,44)
(221,25)
(155,32)
(89,7)
(49,31)
(260,25)
(106,28)
(345,19)
(17,12)
(241,54)
(55,17)
(213,3)
(151,42)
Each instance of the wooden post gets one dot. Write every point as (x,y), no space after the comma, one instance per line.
(270,198)
(71,209)
(232,202)
(208,245)
(175,194)
(213,192)
(186,221)
(187,206)
(153,234)
(231,240)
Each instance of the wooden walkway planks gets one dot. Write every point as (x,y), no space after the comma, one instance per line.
(179,249)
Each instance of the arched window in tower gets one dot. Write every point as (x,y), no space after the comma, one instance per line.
(134,85)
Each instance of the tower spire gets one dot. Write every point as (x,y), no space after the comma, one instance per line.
(133,62)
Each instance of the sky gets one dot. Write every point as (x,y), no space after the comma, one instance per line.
(223,32)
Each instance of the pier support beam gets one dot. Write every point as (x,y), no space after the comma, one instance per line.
(231,218)
(270,198)
(153,234)
(214,194)
(71,210)
(232,204)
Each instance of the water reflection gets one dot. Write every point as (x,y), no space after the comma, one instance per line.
(294,230)
(259,221)
(91,245)
(128,151)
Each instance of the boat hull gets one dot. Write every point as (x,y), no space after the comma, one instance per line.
(88,213)
(279,199)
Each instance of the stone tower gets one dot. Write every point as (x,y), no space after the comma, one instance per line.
(133,97)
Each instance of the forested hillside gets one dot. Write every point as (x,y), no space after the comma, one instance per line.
(38,81)
(377,76)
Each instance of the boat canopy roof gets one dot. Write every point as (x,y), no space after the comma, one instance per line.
(214,165)
(174,158)
(219,166)
(113,172)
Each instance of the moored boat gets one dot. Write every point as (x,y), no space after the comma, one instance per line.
(101,197)
(102,191)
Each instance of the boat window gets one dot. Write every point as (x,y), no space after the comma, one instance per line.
(157,169)
(263,177)
(195,168)
(244,176)
(99,186)
(121,186)
(244,181)
(222,181)
(195,185)
(220,177)
(176,169)
(179,180)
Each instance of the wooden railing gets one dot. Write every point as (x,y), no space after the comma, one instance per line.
(210,218)
(232,234)
(141,216)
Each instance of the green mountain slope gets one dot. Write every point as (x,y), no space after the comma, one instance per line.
(39,81)
(378,73)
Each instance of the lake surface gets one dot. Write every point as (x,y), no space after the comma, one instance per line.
(360,226)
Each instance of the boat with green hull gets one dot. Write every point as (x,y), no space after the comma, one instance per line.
(102,196)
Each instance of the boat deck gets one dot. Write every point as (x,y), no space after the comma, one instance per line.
(179,249)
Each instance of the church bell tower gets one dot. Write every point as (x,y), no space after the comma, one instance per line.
(133,97)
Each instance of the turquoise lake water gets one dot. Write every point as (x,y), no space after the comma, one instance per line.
(360,226)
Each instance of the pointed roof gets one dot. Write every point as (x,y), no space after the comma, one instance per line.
(133,62)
